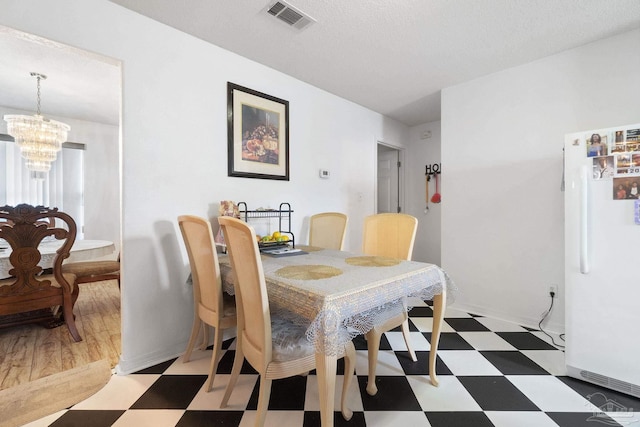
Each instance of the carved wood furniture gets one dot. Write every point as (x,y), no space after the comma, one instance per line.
(29,295)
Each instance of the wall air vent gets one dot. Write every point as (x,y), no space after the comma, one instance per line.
(289,15)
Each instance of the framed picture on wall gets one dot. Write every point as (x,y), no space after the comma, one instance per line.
(258,132)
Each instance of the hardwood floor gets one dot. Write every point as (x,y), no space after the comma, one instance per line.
(31,352)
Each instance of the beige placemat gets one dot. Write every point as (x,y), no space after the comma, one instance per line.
(372,261)
(308,272)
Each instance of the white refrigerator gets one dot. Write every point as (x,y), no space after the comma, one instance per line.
(602,257)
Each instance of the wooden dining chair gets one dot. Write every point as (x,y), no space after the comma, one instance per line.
(328,230)
(390,235)
(212,306)
(276,347)
(31,295)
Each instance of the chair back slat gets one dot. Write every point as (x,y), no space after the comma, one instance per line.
(389,234)
(24,227)
(327,230)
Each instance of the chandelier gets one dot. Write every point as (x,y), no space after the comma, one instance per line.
(39,139)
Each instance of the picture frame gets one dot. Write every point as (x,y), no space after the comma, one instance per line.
(258,134)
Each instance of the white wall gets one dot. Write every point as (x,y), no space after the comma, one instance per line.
(423,151)
(502,137)
(101,174)
(175,153)
(101,179)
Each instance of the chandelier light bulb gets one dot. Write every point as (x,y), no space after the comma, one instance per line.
(38,138)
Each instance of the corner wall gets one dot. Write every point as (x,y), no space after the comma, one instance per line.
(422,151)
(502,139)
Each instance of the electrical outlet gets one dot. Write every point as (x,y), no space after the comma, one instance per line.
(553,289)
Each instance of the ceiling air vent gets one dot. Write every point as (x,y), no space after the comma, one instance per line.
(289,15)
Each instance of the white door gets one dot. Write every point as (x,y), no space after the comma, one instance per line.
(388,182)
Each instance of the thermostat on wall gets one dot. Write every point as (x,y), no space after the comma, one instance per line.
(324,173)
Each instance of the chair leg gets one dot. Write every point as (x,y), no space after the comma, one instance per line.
(373,345)
(238,360)
(215,358)
(74,296)
(439,302)
(69,319)
(263,400)
(349,369)
(195,331)
(204,343)
(407,339)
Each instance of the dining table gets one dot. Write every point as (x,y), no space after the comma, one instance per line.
(82,250)
(341,295)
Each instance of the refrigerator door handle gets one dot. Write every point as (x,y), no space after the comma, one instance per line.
(584,220)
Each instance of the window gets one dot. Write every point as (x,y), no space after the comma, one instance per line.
(63,187)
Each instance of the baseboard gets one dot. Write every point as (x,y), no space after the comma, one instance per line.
(552,327)
(129,366)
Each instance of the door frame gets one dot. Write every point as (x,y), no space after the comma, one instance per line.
(401,175)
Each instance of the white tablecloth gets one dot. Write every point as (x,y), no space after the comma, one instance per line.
(338,308)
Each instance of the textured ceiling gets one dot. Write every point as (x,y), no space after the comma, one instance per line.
(393,57)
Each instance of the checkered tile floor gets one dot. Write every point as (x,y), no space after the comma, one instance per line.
(492,373)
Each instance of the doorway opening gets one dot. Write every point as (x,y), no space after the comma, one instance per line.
(84,90)
(390,179)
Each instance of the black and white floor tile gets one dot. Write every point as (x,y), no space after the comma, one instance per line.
(491,373)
